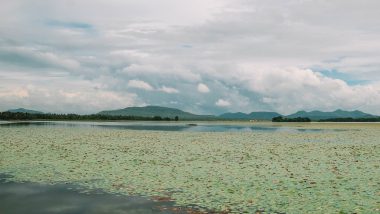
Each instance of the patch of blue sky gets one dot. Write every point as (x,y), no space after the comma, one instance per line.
(186,46)
(349,79)
(82,27)
(72,25)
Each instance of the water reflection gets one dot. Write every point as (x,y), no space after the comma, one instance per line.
(31,198)
(159,126)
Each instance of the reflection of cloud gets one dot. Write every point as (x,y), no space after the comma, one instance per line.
(24,190)
(40,198)
(62,208)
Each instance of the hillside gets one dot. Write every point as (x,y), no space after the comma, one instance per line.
(263,115)
(151,111)
(234,116)
(23,110)
(320,115)
(251,116)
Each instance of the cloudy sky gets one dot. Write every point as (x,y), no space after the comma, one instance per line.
(203,56)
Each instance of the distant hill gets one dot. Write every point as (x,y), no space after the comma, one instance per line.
(151,111)
(236,116)
(23,110)
(251,116)
(320,115)
(264,115)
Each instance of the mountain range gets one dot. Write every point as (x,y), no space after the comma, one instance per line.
(23,110)
(262,115)
(320,115)
(151,111)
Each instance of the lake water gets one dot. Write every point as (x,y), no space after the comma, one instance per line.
(33,198)
(171,126)
(243,167)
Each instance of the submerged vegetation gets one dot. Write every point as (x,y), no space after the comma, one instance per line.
(28,116)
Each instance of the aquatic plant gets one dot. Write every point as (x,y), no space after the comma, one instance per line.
(327,172)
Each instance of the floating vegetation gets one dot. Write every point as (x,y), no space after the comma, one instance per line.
(277,172)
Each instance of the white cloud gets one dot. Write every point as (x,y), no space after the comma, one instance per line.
(168,90)
(292,89)
(222,103)
(139,84)
(203,88)
(259,54)
(36,58)
(77,97)
(17,92)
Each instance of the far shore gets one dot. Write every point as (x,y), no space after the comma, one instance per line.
(301,125)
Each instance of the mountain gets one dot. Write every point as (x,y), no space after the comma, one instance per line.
(151,111)
(22,110)
(263,115)
(313,115)
(320,115)
(251,116)
(236,116)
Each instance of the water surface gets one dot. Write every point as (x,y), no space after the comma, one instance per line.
(171,126)
(34,198)
(287,171)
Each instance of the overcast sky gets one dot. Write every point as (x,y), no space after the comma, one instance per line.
(202,56)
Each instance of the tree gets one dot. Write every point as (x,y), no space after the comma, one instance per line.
(278,119)
(176,118)
(157,118)
(298,119)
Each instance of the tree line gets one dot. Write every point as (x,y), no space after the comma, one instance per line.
(350,119)
(306,119)
(284,119)
(28,116)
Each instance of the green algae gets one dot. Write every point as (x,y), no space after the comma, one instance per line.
(241,172)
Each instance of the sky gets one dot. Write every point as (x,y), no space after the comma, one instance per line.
(202,56)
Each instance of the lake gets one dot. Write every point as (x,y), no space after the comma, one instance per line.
(227,167)
(35,198)
(173,126)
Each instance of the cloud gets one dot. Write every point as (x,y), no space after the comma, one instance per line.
(292,89)
(139,84)
(18,93)
(222,103)
(258,55)
(168,90)
(203,88)
(77,97)
(31,57)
